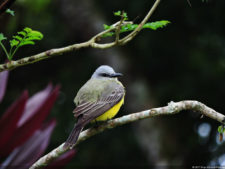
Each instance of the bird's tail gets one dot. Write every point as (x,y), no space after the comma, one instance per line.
(72,139)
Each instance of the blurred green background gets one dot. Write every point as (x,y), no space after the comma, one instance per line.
(185,60)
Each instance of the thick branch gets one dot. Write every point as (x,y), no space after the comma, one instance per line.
(172,108)
(91,43)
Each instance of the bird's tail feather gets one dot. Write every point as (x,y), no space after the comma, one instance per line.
(72,139)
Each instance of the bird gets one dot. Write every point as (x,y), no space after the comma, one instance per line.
(99,99)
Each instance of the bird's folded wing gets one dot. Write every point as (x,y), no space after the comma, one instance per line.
(91,110)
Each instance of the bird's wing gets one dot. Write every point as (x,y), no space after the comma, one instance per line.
(91,110)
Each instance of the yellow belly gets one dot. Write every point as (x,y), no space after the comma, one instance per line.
(111,112)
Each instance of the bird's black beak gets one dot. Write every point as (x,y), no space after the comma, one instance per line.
(116,75)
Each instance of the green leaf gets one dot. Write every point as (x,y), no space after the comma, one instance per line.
(125,16)
(109,34)
(17,37)
(118,13)
(131,27)
(27,38)
(2,37)
(149,25)
(35,34)
(221,129)
(21,33)
(11,12)
(33,38)
(27,30)
(13,42)
(128,27)
(156,25)
(106,26)
(27,42)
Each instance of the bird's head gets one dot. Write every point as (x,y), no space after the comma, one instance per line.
(105,71)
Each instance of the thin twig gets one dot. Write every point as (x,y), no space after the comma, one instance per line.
(90,43)
(189,3)
(138,29)
(119,27)
(172,108)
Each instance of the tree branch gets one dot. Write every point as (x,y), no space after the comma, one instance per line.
(91,43)
(138,29)
(172,108)
(119,27)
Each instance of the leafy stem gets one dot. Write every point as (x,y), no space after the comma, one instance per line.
(121,28)
(25,37)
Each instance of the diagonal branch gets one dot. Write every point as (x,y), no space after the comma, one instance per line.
(172,108)
(138,29)
(90,43)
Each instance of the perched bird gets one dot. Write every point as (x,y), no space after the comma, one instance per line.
(99,99)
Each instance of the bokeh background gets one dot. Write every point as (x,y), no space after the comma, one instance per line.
(185,60)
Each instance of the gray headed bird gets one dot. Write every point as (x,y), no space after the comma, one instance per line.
(99,99)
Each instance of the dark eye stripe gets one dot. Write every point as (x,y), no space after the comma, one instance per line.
(104,75)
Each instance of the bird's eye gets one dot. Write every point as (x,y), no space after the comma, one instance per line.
(104,74)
